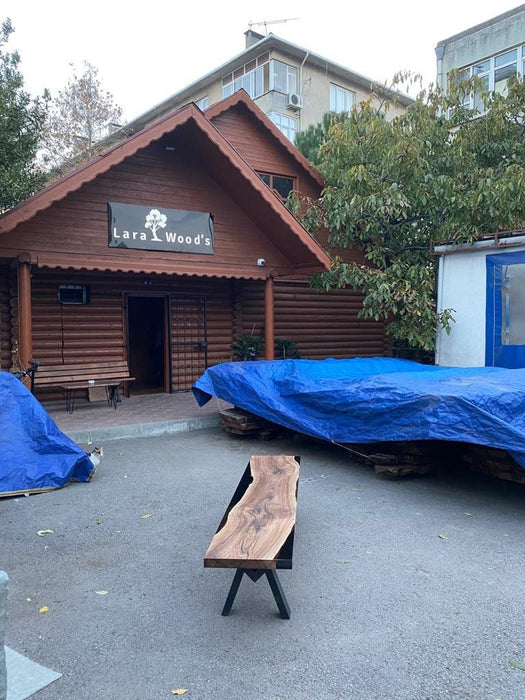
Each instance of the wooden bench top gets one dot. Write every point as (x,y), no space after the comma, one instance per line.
(256,527)
(57,375)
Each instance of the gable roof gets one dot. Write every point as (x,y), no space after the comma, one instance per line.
(298,244)
(241,98)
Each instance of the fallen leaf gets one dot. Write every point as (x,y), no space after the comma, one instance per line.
(442,537)
(101,592)
(516,664)
(147,515)
(179,691)
(99,521)
(468,515)
(344,561)
(43,609)
(28,600)
(356,489)
(41,533)
(90,442)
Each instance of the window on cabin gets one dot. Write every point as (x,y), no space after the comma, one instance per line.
(203,103)
(282,185)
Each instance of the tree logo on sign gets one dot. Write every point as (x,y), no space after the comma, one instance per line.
(154,221)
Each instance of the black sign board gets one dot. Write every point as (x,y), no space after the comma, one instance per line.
(152,228)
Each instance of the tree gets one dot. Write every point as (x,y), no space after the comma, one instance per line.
(310,140)
(431,174)
(82,114)
(21,120)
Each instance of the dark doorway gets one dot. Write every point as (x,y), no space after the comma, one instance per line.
(147,344)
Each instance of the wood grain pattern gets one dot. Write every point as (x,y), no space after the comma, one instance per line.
(58,375)
(258,526)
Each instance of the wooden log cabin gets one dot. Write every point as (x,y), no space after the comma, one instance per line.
(168,247)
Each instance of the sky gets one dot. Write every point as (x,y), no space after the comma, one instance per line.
(147,51)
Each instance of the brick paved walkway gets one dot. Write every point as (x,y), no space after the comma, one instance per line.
(136,416)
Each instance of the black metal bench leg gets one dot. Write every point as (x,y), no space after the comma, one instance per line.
(278,594)
(233,592)
(113,396)
(70,400)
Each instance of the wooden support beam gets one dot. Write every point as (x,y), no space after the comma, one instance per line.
(25,325)
(269,352)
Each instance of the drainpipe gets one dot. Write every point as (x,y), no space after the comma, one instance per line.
(440,52)
(301,87)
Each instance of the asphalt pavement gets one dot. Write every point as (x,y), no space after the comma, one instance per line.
(401,590)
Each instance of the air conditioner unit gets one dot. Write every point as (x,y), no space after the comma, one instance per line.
(294,101)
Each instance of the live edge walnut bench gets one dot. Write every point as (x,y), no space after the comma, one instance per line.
(257,531)
(72,378)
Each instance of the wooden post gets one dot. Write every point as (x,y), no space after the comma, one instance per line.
(269,353)
(25,326)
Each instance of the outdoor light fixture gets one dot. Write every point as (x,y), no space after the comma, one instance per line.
(261,262)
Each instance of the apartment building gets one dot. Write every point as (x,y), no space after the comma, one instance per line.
(293,86)
(493,51)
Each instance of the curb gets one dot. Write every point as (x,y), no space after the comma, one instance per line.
(91,436)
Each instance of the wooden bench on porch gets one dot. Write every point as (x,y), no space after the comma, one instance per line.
(88,375)
(257,531)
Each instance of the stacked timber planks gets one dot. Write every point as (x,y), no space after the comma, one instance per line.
(237,421)
(397,459)
(492,461)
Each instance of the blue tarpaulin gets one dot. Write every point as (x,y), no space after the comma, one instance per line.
(378,400)
(34,454)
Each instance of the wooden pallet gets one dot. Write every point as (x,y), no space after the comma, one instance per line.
(237,421)
(397,459)
(492,461)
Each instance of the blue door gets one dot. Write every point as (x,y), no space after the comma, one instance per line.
(505,314)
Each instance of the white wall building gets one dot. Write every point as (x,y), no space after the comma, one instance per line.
(484,283)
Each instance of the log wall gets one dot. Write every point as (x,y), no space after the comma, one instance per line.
(322,325)
(75,333)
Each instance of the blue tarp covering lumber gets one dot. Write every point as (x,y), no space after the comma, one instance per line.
(34,454)
(378,400)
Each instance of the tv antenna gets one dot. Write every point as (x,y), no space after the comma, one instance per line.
(266,22)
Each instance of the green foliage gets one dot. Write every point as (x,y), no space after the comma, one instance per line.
(21,119)
(81,115)
(248,347)
(431,174)
(286,349)
(311,139)
(251,347)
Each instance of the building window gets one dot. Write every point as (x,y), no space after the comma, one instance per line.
(287,125)
(283,78)
(260,76)
(280,184)
(203,103)
(494,73)
(341,99)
